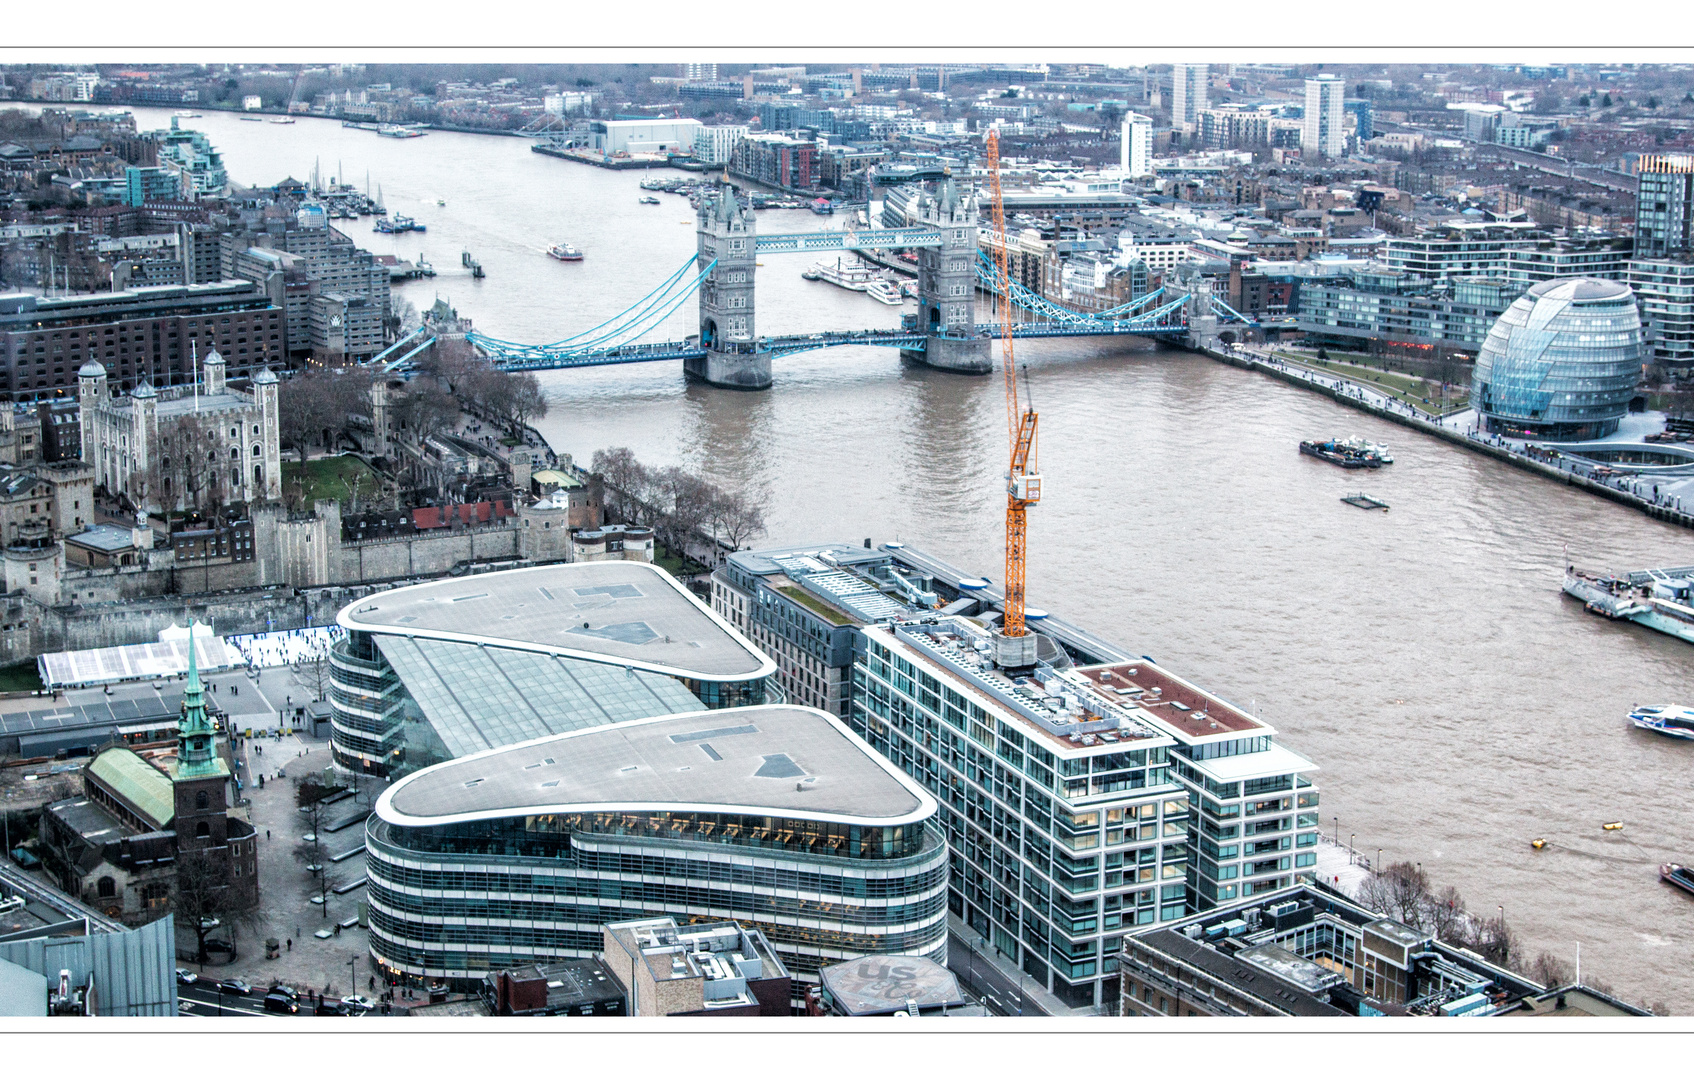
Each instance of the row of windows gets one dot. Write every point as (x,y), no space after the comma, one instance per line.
(654,896)
(914,882)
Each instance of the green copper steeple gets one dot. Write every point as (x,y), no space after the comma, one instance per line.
(196,755)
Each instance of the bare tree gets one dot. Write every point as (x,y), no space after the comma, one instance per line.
(1400,891)
(426,409)
(203,898)
(313,674)
(623,478)
(736,518)
(305,409)
(524,401)
(684,502)
(1550,971)
(310,793)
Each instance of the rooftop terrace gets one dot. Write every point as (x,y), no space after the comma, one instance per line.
(1171,702)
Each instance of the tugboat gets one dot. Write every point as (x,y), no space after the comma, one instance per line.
(1673,720)
(565,253)
(1337,454)
(1680,876)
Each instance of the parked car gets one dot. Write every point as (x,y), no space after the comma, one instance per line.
(236,986)
(184,977)
(281,1003)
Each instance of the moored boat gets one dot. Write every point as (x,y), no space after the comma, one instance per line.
(885,292)
(854,276)
(1363,446)
(1673,720)
(1333,452)
(1661,600)
(1680,876)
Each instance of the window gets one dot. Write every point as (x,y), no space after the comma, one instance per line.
(105,888)
(200,801)
(202,831)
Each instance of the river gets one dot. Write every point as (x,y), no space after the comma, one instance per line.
(1458,704)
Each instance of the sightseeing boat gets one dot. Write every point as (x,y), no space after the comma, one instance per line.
(1673,720)
(565,253)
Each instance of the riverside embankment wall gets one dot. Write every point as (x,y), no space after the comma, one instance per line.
(1563,476)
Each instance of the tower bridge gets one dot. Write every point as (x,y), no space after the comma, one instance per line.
(943,333)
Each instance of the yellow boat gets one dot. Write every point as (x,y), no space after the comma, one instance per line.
(1538,843)
(1612,826)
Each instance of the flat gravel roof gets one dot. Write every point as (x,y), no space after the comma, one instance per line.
(762,759)
(624,612)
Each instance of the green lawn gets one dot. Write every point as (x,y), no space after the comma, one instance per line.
(329,478)
(20,676)
(1411,389)
(677,565)
(807,600)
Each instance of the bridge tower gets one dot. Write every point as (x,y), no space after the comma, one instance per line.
(947,286)
(733,357)
(1202,320)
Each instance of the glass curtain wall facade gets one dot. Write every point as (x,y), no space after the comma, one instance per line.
(456,901)
(399,704)
(1054,852)
(1562,362)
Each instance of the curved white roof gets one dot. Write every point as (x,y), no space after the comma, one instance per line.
(628,613)
(776,760)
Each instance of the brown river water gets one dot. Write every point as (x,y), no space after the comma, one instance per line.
(1458,704)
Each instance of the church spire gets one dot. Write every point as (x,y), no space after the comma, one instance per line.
(195,753)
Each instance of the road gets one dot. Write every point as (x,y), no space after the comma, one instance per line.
(997,989)
(202,1000)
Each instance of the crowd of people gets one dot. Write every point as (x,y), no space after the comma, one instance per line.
(285,648)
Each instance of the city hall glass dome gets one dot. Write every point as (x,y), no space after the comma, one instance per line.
(1562,362)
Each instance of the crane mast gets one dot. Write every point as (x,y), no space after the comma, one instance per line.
(1014,646)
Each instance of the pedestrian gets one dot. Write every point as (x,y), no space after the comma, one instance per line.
(267,834)
(373,982)
(290,944)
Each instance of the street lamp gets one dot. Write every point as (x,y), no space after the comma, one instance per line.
(353,973)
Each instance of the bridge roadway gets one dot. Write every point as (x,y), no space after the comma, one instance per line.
(539,359)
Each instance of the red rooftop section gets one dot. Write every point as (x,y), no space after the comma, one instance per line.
(1160,693)
(441,517)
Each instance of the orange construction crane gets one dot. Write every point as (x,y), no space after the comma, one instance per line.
(1023,483)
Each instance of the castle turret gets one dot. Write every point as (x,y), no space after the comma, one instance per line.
(91,396)
(267,474)
(214,372)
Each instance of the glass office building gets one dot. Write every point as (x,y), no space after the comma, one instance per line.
(453,667)
(777,817)
(1561,363)
(1081,802)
